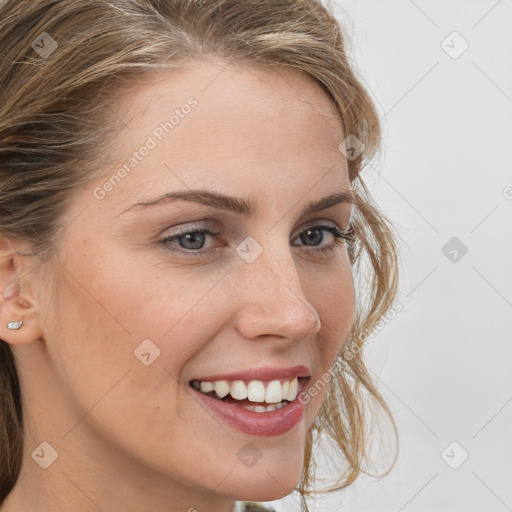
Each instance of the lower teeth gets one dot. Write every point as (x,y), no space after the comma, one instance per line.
(262,408)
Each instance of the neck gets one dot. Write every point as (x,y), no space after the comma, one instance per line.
(84,477)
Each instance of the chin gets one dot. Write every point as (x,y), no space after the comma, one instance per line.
(265,484)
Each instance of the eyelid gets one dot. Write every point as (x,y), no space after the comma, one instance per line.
(323,222)
(213,224)
(194,225)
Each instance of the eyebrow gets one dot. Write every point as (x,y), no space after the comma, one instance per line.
(246,207)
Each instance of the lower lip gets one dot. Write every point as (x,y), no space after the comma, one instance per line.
(263,424)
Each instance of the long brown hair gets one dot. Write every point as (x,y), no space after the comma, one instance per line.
(63,61)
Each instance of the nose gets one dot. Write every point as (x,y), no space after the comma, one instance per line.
(271,300)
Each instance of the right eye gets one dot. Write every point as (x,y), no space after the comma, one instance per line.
(190,241)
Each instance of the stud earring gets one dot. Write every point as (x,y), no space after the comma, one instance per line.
(15,325)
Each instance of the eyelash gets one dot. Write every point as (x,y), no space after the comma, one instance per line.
(340,239)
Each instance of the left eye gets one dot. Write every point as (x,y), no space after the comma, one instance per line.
(191,241)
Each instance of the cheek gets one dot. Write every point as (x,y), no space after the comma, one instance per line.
(90,342)
(140,298)
(332,294)
(100,327)
(148,321)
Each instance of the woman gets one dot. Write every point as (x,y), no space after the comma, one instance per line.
(182,218)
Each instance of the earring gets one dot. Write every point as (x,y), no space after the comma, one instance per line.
(15,325)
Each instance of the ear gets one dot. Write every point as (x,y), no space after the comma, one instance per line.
(17,302)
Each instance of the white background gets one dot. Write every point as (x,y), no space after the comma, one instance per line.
(444,363)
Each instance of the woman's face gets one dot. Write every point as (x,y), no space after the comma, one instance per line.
(135,319)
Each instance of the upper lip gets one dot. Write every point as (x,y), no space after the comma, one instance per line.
(264,374)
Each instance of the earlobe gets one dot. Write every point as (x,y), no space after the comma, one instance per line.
(18,318)
(17,328)
(18,332)
(14,326)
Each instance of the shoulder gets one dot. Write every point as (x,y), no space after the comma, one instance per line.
(251,506)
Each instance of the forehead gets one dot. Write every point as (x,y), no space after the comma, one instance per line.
(251,100)
(221,82)
(251,126)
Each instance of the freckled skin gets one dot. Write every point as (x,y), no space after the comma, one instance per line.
(132,437)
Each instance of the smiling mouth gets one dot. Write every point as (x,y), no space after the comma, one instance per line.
(254,395)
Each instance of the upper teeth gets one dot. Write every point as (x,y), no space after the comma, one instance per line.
(271,392)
